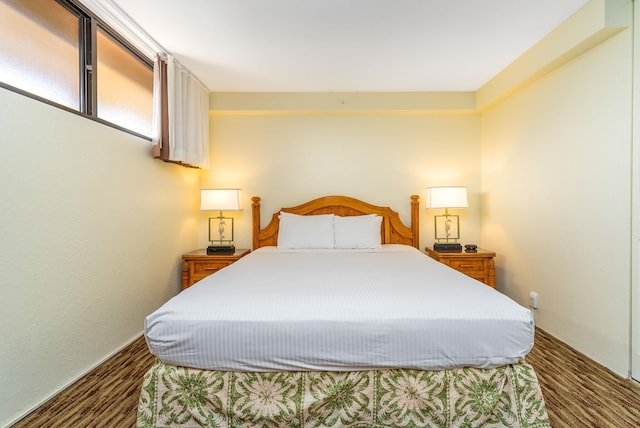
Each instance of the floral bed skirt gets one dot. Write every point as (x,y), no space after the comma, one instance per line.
(507,396)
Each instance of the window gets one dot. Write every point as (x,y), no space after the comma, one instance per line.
(40,50)
(125,86)
(61,53)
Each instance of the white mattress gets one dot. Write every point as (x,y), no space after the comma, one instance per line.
(336,311)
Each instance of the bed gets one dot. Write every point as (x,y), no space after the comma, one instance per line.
(337,320)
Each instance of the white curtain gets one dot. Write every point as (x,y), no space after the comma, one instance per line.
(188,117)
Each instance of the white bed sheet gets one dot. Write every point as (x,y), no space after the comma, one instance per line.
(338,310)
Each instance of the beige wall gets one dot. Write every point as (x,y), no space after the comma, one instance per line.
(91,233)
(556,176)
(290,157)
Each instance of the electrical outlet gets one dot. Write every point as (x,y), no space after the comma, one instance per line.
(533,300)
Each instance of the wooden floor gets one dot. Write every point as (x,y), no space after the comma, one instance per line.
(578,392)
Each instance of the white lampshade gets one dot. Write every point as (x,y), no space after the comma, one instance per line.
(447,197)
(220,200)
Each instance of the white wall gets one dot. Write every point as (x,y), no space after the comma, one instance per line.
(556,175)
(382,158)
(91,233)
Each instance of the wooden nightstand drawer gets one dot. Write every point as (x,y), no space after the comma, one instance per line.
(480,276)
(207,268)
(197,265)
(478,265)
(467,266)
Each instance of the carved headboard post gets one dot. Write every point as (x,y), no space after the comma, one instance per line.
(255,214)
(415,223)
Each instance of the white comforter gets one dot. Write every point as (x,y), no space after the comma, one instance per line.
(339,310)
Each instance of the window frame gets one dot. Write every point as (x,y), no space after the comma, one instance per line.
(88,24)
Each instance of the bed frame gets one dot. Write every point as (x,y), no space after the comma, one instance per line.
(392,230)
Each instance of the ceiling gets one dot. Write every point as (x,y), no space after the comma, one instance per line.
(347,45)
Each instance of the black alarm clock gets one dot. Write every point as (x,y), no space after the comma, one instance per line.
(470,248)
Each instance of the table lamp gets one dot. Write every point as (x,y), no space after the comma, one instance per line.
(447,226)
(220,200)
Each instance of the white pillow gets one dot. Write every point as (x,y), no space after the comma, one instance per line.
(305,231)
(362,231)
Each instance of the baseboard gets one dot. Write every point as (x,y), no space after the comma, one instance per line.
(74,380)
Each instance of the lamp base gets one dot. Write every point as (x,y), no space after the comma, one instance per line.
(447,247)
(217,249)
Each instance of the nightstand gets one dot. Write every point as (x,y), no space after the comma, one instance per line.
(198,264)
(478,265)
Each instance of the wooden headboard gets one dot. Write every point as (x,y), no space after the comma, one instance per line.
(392,230)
